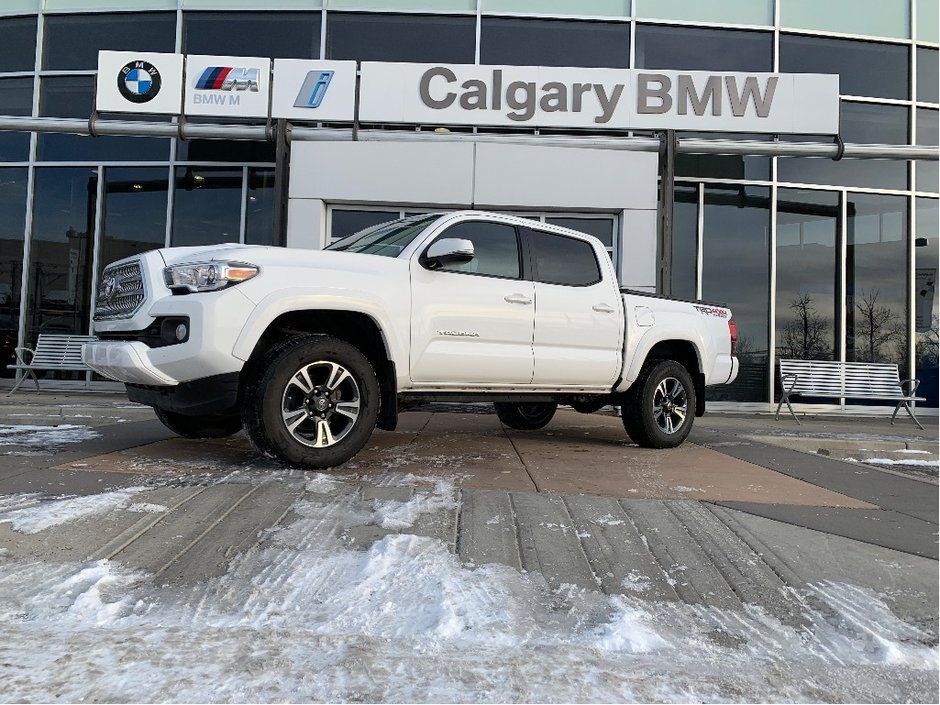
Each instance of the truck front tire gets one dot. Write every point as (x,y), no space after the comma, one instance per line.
(526,416)
(315,404)
(661,406)
(199,426)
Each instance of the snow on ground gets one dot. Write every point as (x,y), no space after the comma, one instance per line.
(44,437)
(304,617)
(32,513)
(909,462)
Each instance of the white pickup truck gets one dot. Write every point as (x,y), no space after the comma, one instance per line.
(309,351)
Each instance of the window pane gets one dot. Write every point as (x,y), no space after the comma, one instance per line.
(347,222)
(597,8)
(535,42)
(225,151)
(807,227)
(16,98)
(864,68)
(695,48)
(73,96)
(60,254)
(291,35)
(877,18)
(495,246)
(563,260)
(927,129)
(928,75)
(864,123)
(684,242)
(928,21)
(438,5)
(134,213)
(733,11)
(926,310)
(18,48)
(417,38)
(12,221)
(722,166)
(207,206)
(876,279)
(736,238)
(259,211)
(72,42)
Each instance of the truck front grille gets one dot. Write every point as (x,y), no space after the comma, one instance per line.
(120,291)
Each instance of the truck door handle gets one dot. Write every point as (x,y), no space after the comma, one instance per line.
(517,299)
(603,308)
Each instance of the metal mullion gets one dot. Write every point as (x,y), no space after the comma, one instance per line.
(843,35)
(776,44)
(529,15)
(95,256)
(170,200)
(700,241)
(708,25)
(841,276)
(59,73)
(911,283)
(877,100)
(17,74)
(323,14)
(243,218)
(772,302)
(855,189)
(479,32)
(632,63)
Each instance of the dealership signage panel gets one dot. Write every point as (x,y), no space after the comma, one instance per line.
(227,86)
(314,90)
(539,96)
(466,94)
(139,82)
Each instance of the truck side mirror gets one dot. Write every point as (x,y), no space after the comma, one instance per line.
(448,250)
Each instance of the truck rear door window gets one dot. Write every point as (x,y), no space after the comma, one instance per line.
(557,259)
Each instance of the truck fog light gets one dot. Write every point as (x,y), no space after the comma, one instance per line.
(182,331)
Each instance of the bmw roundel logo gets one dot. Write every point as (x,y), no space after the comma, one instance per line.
(139,81)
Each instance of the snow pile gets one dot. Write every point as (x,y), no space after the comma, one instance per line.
(31,513)
(44,436)
(303,617)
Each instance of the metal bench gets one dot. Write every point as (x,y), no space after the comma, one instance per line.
(62,353)
(847,380)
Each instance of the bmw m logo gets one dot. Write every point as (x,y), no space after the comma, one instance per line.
(139,81)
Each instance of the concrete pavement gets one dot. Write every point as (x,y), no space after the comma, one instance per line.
(725,521)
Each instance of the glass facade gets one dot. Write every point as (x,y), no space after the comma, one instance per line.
(830,260)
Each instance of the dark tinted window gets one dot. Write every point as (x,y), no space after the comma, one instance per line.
(72,42)
(563,260)
(723,166)
(73,96)
(684,242)
(287,35)
(12,221)
(864,68)
(347,222)
(418,38)
(694,48)
(928,127)
(928,75)
(863,123)
(225,151)
(16,98)
(134,212)
(495,248)
(207,206)
(259,211)
(18,47)
(536,42)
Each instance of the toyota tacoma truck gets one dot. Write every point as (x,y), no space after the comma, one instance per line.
(309,350)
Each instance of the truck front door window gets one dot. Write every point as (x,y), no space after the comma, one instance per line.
(495,248)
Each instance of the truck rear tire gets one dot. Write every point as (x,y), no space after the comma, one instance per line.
(526,416)
(661,406)
(199,426)
(315,404)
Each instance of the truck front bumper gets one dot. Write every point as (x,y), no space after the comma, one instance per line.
(124,361)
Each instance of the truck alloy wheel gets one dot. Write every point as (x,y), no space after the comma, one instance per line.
(315,404)
(661,406)
(528,416)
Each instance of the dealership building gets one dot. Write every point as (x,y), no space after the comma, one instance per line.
(819,258)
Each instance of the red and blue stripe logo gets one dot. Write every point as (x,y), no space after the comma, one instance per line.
(213,78)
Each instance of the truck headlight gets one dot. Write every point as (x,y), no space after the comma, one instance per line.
(207,276)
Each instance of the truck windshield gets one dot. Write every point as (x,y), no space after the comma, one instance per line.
(386,239)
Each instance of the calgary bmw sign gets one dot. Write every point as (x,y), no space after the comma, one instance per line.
(467,94)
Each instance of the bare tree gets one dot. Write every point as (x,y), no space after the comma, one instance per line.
(806,337)
(927,345)
(876,326)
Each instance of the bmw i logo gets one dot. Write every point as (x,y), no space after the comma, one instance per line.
(139,81)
